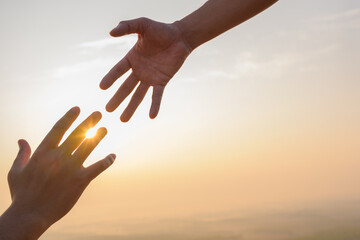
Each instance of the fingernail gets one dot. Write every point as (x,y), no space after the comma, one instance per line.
(112,31)
(97,114)
(102,132)
(75,109)
(112,158)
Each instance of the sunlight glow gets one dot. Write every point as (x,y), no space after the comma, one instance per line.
(91,133)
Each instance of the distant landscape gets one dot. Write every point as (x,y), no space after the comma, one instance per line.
(340,222)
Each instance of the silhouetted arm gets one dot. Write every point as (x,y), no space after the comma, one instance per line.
(162,48)
(216,17)
(46,186)
(15,224)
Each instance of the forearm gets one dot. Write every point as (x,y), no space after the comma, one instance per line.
(17,225)
(218,16)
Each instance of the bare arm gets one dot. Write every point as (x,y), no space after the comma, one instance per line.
(216,17)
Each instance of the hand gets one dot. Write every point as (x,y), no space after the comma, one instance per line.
(47,185)
(155,58)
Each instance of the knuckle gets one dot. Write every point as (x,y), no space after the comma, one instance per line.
(41,150)
(60,155)
(81,179)
(156,105)
(59,126)
(104,165)
(144,22)
(36,158)
(11,176)
(143,19)
(137,95)
(157,94)
(117,69)
(126,88)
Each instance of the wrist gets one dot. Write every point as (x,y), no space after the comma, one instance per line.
(185,34)
(23,224)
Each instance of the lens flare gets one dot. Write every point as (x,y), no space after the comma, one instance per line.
(91,133)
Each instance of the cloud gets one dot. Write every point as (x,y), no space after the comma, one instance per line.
(254,65)
(349,19)
(82,70)
(107,45)
(248,65)
(123,42)
(340,16)
(106,53)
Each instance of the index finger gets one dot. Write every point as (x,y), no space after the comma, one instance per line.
(55,135)
(117,71)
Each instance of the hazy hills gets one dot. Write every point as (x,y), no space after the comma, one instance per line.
(340,222)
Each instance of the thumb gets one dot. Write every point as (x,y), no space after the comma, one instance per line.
(137,25)
(23,155)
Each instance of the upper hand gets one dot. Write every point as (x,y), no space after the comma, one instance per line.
(157,55)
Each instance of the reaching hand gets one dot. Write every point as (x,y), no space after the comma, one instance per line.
(45,186)
(155,58)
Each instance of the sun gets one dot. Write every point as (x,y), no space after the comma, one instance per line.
(91,133)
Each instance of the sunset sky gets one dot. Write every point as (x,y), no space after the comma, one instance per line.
(265,116)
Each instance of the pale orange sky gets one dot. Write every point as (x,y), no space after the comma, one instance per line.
(265,116)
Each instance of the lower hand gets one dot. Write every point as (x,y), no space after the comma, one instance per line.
(45,186)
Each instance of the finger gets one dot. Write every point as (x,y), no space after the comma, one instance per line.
(117,71)
(23,155)
(131,26)
(79,134)
(55,135)
(88,146)
(156,100)
(95,169)
(125,89)
(134,102)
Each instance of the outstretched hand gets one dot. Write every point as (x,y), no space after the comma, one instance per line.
(45,186)
(155,58)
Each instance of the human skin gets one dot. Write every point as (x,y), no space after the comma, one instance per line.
(46,186)
(162,49)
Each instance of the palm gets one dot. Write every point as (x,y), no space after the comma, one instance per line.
(156,57)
